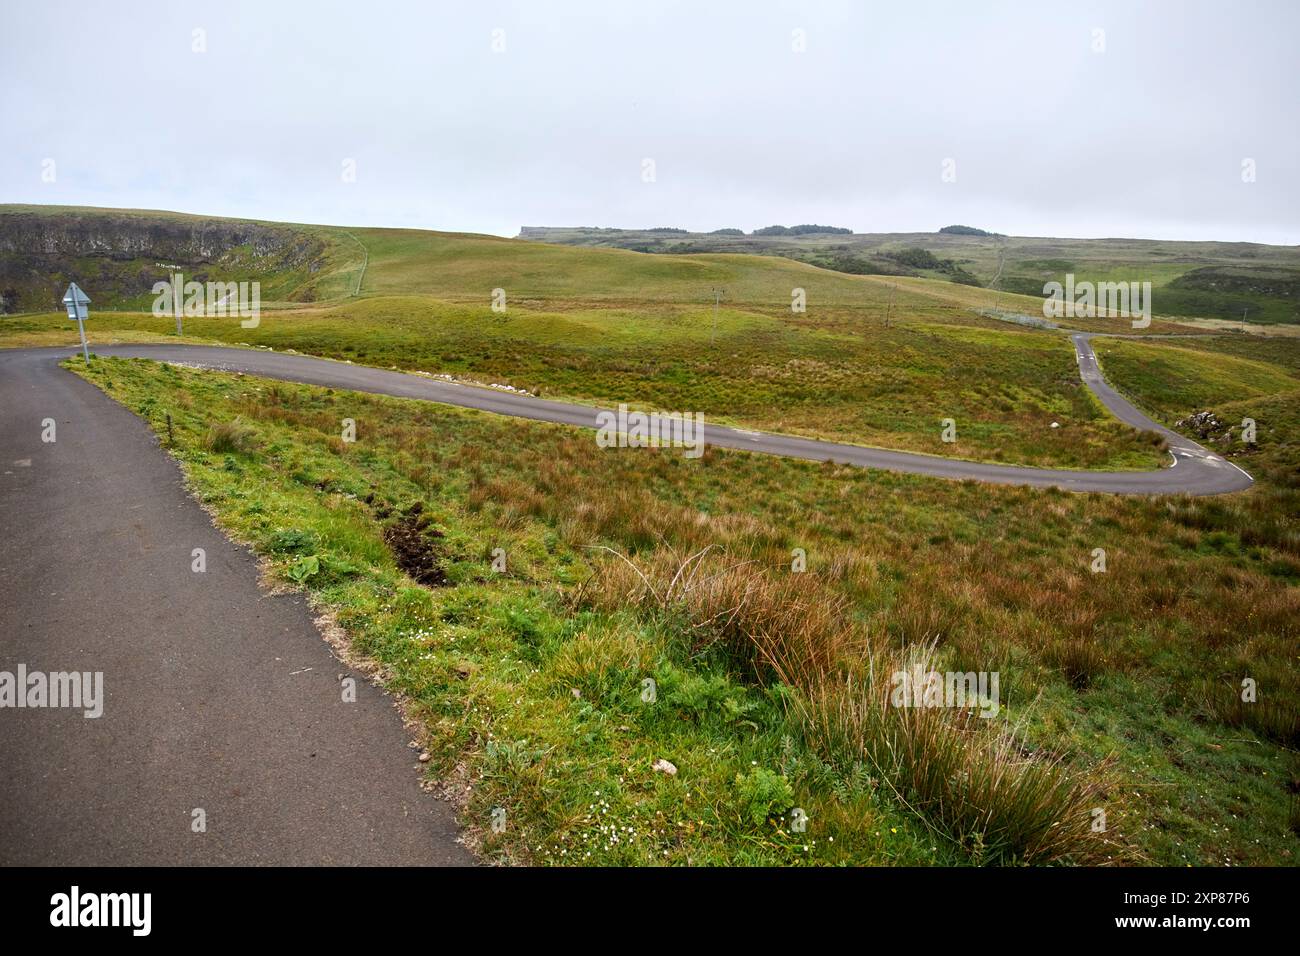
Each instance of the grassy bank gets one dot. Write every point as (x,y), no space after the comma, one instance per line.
(1117,688)
(1171,382)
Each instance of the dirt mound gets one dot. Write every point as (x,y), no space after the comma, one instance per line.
(414,544)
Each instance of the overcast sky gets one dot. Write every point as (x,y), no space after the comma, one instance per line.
(1048,134)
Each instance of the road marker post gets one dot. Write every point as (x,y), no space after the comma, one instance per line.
(76,302)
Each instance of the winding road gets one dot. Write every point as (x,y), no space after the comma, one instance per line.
(221,700)
(1195,470)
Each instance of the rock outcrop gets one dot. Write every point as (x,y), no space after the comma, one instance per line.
(121,255)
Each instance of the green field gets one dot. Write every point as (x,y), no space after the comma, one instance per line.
(1119,690)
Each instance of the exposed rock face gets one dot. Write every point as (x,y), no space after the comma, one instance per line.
(123,255)
(130,237)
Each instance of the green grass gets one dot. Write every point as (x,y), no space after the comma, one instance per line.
(1126,677)
(822,376)
(1172,382)
(457,265)
(1215,280)
(1281,352)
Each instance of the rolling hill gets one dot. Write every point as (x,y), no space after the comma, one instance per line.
(1207,280)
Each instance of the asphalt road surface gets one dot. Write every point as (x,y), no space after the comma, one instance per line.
(1194,469)
(217,696)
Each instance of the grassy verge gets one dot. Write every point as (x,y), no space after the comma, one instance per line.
(1172,382)
(1117,688)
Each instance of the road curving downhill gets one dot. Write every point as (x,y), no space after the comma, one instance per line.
(1195,470)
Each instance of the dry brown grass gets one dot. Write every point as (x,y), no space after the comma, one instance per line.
(967,778)
(234,437)
(969,782)
(789,625)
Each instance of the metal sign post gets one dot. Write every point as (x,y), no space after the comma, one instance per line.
(76,302)
(717,299)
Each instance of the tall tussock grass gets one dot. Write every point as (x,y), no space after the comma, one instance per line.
(234,437)
(786,626)
(971,783)
(968,779)
(1274,713)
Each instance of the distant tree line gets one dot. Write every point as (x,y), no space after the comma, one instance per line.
(917,258)
(801,230)
(965,231)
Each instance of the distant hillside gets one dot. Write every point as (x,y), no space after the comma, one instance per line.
(121,253)
(1214,280)
(117,255)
